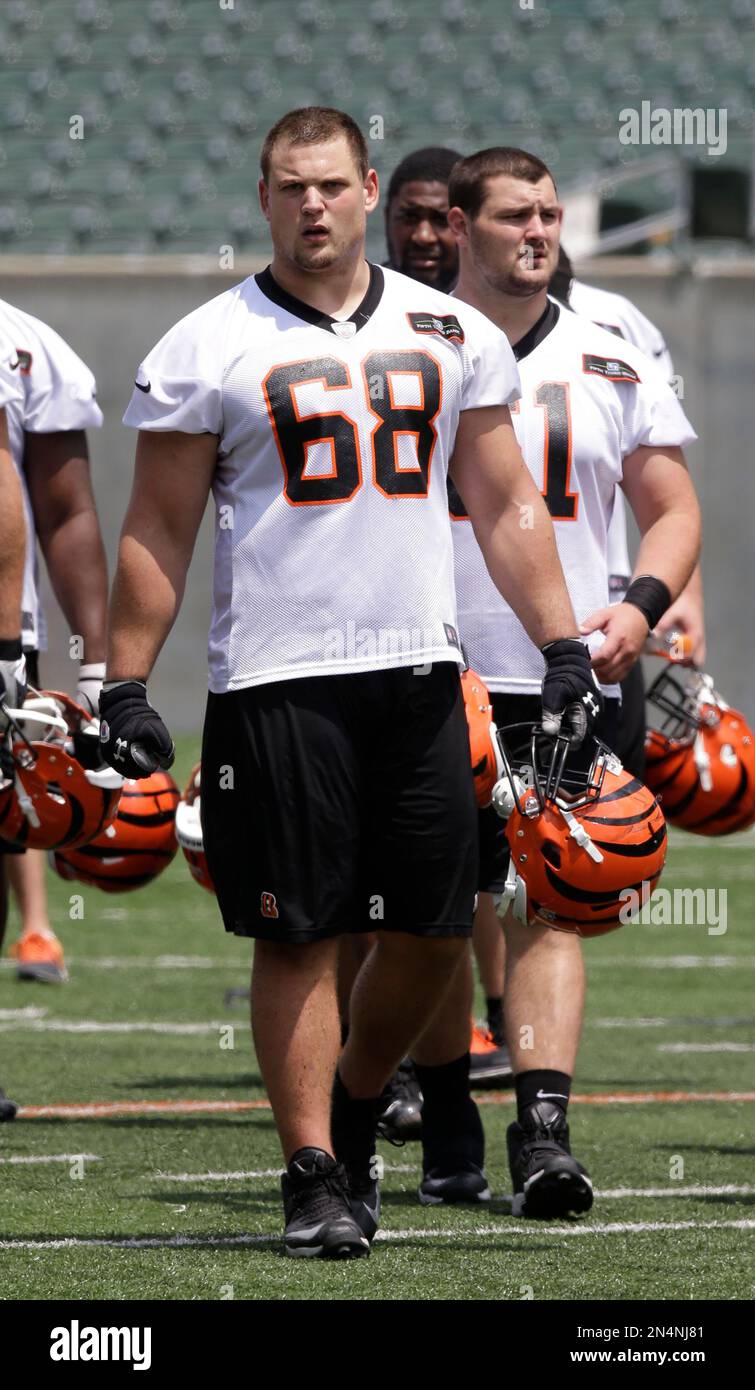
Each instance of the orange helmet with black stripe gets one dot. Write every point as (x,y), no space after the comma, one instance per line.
(583,845)
(138,845)
(55,791)
(699,755)
(483,745)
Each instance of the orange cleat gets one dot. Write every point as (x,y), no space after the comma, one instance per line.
(39,958)
(489,1062)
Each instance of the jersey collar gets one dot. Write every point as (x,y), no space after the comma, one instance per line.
(301,310)
(540,330)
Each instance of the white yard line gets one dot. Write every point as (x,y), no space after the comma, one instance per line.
(242,1175)
(595,960)
(52,1158)
(83,1025)
(507,1231)
(706,1047)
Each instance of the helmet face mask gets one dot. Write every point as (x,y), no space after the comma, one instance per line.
(700,755)
(583,843)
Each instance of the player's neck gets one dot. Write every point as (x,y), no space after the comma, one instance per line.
(515,316)
(337,291)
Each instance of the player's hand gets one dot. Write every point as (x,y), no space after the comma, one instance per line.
(686,616)
(625,629)
(91,676)
(133,738)
(13,686)
(571,695)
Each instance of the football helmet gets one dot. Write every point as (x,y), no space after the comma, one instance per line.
(699,754)
(189,831)
(580,842)
(55,791)
(483,744)
(138,845)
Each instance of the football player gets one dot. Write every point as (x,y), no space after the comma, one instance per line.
(47,425)
(420,241)
(12,554)
(592,414)
(323,402)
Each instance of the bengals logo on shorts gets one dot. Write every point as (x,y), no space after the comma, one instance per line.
(268,905)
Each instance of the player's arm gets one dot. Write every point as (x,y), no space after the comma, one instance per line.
(687,615)
(172,480)
(12,552)
(660,492)
(12,541)
(68,530)
(514,531)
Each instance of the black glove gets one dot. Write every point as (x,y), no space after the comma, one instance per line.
(13,686)
(570,690)
(133,737)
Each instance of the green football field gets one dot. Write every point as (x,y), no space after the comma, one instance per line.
(168,1188)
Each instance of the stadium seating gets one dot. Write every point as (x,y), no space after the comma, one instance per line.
(175,97)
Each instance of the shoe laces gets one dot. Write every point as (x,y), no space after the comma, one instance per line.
(318,1191)
(403,1085)
(482,1039)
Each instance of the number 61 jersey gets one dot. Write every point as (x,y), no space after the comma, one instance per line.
(333,549)
(588,400)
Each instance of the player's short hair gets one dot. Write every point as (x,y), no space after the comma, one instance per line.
(467,185)
(313,125)
(430,165)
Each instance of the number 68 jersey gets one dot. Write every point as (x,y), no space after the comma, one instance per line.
(333,549)
(588,400)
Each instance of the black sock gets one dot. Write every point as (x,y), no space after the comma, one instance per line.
(452,1131)
(494,1010)
(531,1086)
(353,1126)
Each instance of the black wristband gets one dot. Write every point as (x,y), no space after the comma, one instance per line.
(651,596)
(10,648)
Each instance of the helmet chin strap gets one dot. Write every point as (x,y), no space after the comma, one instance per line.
(577,832)
(515,895)
(702,762)
(26,803)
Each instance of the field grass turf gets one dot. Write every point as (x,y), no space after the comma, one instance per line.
(649,987)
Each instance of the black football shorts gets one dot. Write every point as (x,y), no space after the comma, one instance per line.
(527,709)
(334,804)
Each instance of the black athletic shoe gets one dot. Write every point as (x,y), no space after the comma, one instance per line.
(547,1180)
(489,1060)
(8,1108)
(400,1116)
(466,1183)
(316,1206)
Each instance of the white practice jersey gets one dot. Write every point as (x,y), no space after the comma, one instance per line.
(57,393)
(622,317)
(587,402)
(10,380)
(333,548)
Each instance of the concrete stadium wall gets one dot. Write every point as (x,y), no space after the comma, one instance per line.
(112,313)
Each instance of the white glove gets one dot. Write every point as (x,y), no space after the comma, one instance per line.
(91,676)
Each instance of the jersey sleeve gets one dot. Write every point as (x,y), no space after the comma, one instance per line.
(652,414)
(10,382)
(491,375)
(60,389)
(179,384)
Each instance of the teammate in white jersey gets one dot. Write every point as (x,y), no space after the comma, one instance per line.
(47,420)
(593,413)
(12,553)
(323,402)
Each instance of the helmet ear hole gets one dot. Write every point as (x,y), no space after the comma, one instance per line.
(552,853)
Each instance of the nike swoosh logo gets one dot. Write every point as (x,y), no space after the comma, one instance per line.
(146,388)
(550,1095)
(12,365)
